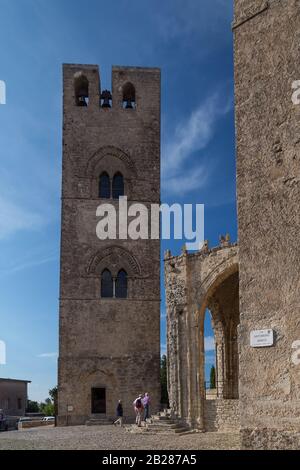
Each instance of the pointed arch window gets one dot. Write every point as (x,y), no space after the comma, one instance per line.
(107,284)
(104,186)
(121,285)
(118,186)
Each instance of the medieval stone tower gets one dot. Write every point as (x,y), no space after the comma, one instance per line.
(267,68)
(109,289)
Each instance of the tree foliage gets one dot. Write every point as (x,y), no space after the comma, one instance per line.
(32,407)
(163,380)
(213,377)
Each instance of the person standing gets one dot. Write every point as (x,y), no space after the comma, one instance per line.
(138,408)
(146,404)
(119,414)
(3,424)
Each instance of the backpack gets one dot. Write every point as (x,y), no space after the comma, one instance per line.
(138,403)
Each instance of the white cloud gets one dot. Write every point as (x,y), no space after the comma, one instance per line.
(209,343)
(47,355)
(14,218)
(191,180)
(174,23)
(30,264)
(192,136)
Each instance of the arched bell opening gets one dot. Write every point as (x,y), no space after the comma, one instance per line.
(81,89)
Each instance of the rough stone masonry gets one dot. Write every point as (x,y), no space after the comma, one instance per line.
(109,289)
(266,54)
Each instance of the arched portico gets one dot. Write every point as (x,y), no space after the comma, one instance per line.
(194,283)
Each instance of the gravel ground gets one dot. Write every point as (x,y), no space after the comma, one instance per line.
(111,438)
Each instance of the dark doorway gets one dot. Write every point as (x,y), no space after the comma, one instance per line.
(98,400)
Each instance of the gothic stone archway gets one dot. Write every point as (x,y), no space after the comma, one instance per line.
(196,282)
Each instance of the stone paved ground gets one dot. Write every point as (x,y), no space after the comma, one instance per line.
(111,438)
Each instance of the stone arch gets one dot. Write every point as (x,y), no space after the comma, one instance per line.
(199,281)
(114,258)
(218,292)
(214,279)
(111,160)
(113,152)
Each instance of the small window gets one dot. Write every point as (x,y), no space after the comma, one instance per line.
(107,287)
(104,186)
(81,85)
(118,186)
(129,96)
(19,403)
(121,285)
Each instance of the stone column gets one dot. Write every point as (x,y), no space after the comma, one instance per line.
(234,362)
(195,378)
(173,365)
(219,336)
(219,347)
(201,371)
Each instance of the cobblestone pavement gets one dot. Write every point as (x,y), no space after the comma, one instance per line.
(111,438)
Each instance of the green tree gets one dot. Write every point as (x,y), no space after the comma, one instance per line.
(163,381)
(213,377)
(54,394)
(49,407)
(32,407)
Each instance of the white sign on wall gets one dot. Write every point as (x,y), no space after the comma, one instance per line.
(261,338)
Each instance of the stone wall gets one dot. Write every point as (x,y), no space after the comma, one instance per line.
(269,439)
(267,50)
(222,415)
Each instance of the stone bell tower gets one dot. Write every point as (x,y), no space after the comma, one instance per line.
(267,68)
(109,347)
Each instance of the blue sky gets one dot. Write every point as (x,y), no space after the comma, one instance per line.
(191,41)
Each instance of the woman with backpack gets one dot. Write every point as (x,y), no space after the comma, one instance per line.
(138,408)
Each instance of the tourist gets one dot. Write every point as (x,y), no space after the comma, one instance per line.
(119,414)
(138,408)
(146,404)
